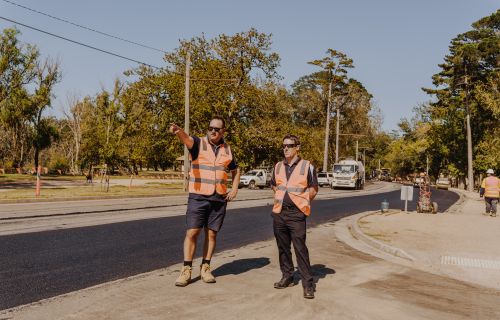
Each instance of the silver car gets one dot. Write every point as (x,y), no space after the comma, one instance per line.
(443,183)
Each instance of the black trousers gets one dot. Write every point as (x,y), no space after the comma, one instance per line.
(290,227)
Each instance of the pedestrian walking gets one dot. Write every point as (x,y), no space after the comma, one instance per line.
(211,159)
(295,185)
(490,189)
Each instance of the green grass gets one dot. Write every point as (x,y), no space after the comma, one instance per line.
(95,190)
(28,177)
(24,177)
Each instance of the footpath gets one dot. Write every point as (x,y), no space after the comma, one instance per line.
(461,243)
(405,266)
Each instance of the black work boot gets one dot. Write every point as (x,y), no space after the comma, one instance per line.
(309,292)
(284,283)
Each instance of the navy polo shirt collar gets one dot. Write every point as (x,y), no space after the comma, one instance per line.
(292,164)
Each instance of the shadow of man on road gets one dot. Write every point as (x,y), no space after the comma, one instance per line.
(240,266)
(319,271)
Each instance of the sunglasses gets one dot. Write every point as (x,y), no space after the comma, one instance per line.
(289,145)
(210,129)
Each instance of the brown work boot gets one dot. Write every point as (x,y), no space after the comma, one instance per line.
(284,283)
(185,277)
(309,292)
(205,273)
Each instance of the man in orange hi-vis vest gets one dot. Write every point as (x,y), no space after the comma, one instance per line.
(211,159)
(295,185)
(490,189)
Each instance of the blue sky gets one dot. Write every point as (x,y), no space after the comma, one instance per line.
(396,45)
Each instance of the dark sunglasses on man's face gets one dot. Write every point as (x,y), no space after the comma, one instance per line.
(210,129)
(289,145)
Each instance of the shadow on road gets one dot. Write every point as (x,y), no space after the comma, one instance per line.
(319,271)
(240,266)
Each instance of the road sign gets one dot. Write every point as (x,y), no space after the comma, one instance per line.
(406,195)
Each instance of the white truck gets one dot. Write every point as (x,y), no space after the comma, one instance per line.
(348,174)
(256,178)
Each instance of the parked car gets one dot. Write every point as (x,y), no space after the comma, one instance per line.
(443,183)
(417,181)
(255,178)
(325,178)
(385,175)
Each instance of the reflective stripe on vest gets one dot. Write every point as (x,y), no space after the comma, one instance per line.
(208,174)
(491,187)
(296,187)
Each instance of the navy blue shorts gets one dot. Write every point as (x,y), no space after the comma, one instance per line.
(205,213)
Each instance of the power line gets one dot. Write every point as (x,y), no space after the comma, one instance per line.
(84,27)
(81,44)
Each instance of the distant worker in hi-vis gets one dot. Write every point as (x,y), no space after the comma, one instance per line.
(490,190)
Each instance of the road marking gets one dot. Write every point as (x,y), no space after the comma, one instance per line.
(470,262)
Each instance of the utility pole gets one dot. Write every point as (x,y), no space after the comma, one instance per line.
(327,129)
(470,173)
(337,134)
(427,165)
(357,149)
(186,120)
(364,148)
(357,135)
(364,164)
(186,111)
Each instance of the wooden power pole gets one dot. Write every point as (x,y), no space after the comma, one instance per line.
(186,120)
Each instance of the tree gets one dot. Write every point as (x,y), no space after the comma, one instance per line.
(232,76)
(408,153)
(18,69)
(335,66)
(47,75)
(74,118)
(465,87)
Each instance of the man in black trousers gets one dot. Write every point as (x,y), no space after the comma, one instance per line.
(295,185)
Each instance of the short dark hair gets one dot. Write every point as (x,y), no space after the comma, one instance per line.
(220,119)
(292,137)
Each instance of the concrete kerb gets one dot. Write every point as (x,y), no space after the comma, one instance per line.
(359,234)
(464,194)
(457,205)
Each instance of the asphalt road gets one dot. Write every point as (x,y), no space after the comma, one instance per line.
(40,265)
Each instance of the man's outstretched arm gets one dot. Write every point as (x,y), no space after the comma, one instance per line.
(182,135)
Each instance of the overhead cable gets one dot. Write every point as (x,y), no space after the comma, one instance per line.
(80,43)
(84,27)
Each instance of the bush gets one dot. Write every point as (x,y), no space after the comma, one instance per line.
(58,163)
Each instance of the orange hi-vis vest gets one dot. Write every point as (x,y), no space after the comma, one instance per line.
(491,187)
(296,187)
(208,172)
